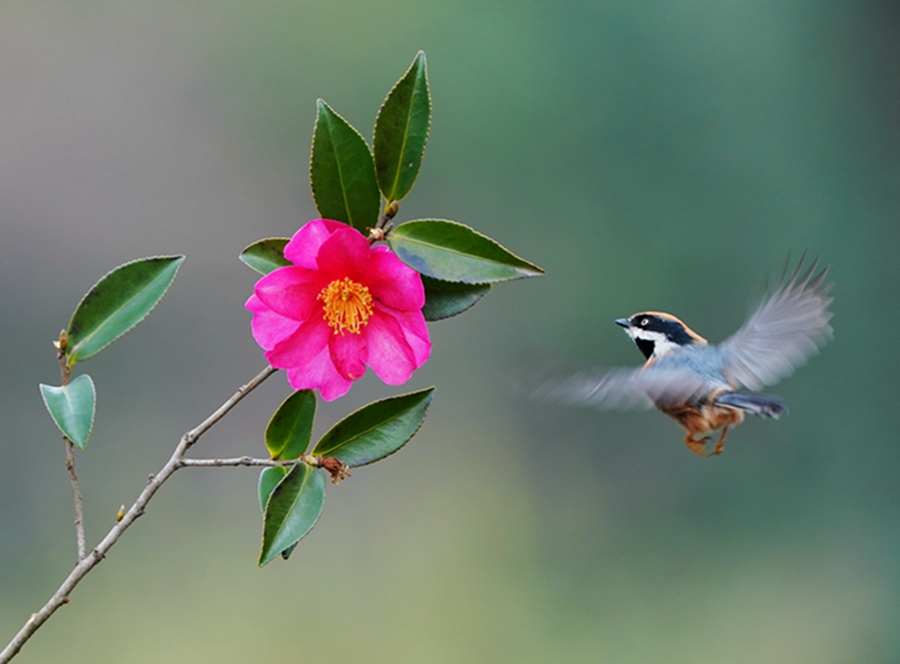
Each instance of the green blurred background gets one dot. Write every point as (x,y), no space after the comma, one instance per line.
(648,155)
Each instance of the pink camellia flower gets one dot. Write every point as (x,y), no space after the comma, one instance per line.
(342,305)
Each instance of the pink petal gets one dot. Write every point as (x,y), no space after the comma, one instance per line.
(416,333)
(297,350)
(291,291)
(288,320)
(268,327)
(303,248)
(393,282)
(344,254)
(320,374)
(390,355)
(348,352)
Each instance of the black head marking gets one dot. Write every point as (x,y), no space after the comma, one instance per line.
(654,332)
(675,331)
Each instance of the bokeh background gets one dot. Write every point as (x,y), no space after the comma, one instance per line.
(649,155)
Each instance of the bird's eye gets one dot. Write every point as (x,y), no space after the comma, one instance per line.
(644,322)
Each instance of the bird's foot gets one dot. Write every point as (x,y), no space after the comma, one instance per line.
(697,446)
(720,444)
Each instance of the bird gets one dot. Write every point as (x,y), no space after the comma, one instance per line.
(710,387)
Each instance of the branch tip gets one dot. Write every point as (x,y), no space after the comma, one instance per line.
(88,561)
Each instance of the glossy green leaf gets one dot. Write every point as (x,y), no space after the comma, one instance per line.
(72,408)
(267,255)
(290,428)
(292,509)
(342,172)
(117,303)
(401,131)
(444,299)
(268,480)
(377,430)
(450,251)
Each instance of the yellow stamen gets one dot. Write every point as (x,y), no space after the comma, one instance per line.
(347,305)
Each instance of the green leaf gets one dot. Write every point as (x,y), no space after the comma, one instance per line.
(290,428)
(401,131)
(268,480)
(450,251)
(377,430)
(72,408)
(267,255)
(292,510)
(448,298)
(342,172)
(117,303)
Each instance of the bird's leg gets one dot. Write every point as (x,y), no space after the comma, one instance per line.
(720,444)
(696,446)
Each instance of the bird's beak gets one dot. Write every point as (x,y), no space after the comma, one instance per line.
(623,322)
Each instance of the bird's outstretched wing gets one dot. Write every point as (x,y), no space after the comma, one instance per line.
(786,329)
(623,389)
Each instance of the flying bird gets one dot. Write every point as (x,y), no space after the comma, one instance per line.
(703,386)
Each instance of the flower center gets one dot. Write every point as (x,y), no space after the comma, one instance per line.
(347,305)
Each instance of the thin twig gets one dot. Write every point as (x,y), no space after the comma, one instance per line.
(61,346)
(236,461)
(335,467)
(85,565)
(76,496)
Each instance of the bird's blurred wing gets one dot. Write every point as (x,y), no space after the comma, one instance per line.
(787,328)
(623,389)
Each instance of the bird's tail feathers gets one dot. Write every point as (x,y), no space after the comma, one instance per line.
(764,405)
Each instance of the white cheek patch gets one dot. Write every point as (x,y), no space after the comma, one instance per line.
(661,343)
(646,335)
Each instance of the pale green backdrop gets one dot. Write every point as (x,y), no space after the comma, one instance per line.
(648,155)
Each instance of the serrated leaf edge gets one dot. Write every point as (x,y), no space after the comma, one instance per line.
(253,244)
(178,259)
(260,563)
(461,311)
(311,427)
(427,132)
(312,152)
(397,396)
(93,409)
(538,270)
